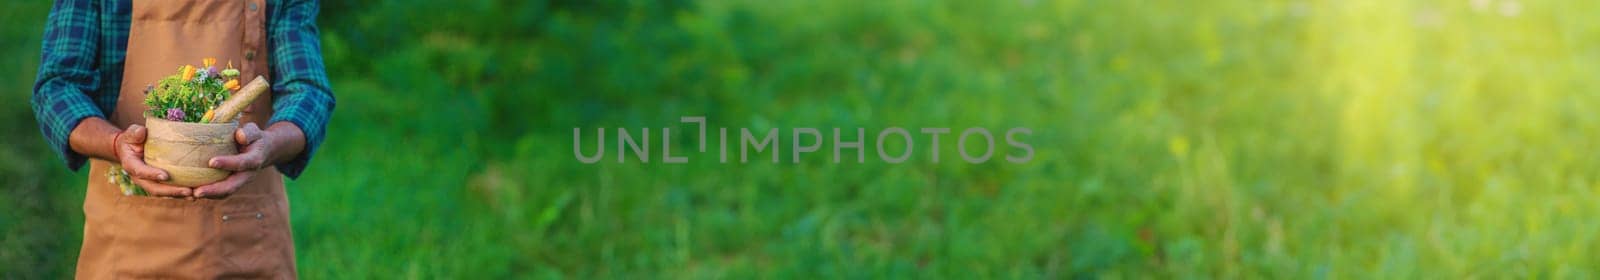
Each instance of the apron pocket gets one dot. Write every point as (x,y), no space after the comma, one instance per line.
(246,250)
(180,238)
(160,237)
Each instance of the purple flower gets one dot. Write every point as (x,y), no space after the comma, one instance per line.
(175,114)
(211,71)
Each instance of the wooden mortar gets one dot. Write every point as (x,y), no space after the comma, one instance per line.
(185,149)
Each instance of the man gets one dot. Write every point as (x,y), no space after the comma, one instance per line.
(98,57)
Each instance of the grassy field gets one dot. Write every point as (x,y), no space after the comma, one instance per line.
(1228,139)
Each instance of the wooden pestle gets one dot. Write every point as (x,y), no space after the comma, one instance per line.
(230,108)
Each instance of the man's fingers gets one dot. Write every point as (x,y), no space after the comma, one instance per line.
(134,164)
(251,157)
(225,187)
(247,134)
(141,171)
(131,155)
(250,160)
(159,189)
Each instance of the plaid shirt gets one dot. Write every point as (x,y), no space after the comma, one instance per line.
(85,42)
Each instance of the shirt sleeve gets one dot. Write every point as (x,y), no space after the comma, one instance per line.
(67,74)
(301,93)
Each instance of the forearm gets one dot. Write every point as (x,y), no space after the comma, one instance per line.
(68,116)
(302,97)
(93,137)
(287,141)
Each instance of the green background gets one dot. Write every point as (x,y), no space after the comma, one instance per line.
(1282,139)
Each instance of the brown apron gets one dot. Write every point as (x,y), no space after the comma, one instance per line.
(244,235)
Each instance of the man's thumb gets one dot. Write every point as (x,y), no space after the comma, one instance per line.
(134,135)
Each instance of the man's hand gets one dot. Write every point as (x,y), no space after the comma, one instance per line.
(129,150)
(259,149)
(253,156)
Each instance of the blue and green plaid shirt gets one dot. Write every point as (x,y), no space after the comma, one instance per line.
(85,42)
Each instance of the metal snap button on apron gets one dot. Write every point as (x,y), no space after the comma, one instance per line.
(258,216)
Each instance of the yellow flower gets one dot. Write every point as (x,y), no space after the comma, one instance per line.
(188,72)
(208,116)
(231,85)
(208,62)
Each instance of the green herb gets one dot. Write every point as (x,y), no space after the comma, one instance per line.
(187,96)
(119,177)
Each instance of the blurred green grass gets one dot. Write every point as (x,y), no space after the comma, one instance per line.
(1282,139)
